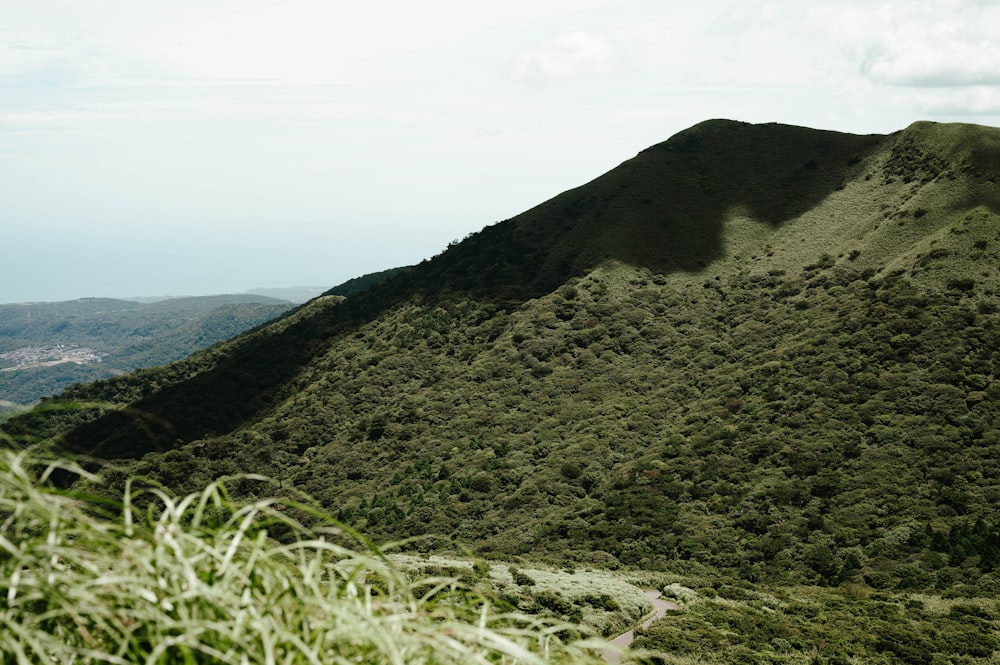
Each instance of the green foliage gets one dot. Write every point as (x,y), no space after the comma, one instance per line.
(810,625)
(807,395)
(200,579)
(771,456)
(520,578)
(911,161)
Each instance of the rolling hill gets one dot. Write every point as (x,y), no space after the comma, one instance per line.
(762,350)
(45,347)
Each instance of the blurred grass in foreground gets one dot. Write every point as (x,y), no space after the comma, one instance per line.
(201,579)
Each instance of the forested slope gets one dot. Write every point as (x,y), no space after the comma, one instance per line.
(757,349)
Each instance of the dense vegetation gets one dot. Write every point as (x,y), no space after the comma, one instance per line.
(728,621)
(153,578)
(853,445)
(762,352)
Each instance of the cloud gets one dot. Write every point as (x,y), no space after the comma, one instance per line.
(935,61)
(568,55)
(970,101)
(27,52)
(935,45)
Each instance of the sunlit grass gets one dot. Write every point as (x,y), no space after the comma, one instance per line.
(201,579)
(606,602)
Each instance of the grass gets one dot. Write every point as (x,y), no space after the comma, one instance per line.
(199,579)
(605,602)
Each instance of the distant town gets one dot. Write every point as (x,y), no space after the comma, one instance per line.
(52,354)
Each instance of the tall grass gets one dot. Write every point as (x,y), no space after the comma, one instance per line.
(201,579)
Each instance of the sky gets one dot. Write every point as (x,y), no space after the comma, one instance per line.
(191,147)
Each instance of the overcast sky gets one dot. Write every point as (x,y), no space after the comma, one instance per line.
(154,147)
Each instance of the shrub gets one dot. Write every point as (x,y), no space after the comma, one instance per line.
(520,577)
(552,600)
(570,470)
(601,601)
(962,284)
(679,593)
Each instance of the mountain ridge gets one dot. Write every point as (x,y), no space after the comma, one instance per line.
(756,348)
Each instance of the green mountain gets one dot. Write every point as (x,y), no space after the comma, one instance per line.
(762,350)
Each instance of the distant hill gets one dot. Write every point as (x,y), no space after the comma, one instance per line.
(45,347)
(760,350)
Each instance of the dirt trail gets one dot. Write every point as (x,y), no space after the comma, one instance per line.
(613,653)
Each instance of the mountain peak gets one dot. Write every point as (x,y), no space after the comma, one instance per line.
(741,344)
(667,207)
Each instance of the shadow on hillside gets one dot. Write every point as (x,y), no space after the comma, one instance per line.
(663,209)
(250,380)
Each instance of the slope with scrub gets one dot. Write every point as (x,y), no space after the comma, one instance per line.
(758,350)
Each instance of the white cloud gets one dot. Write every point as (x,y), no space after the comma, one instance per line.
(32,52)
(933,44)
(306,113)
(951,102)
(935,61)
(568,55)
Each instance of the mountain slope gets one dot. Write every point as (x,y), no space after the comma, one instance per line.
(762,349)
(45,347)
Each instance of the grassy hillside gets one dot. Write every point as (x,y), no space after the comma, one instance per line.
(761,351)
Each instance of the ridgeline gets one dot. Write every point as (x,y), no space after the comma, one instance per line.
(760,350)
